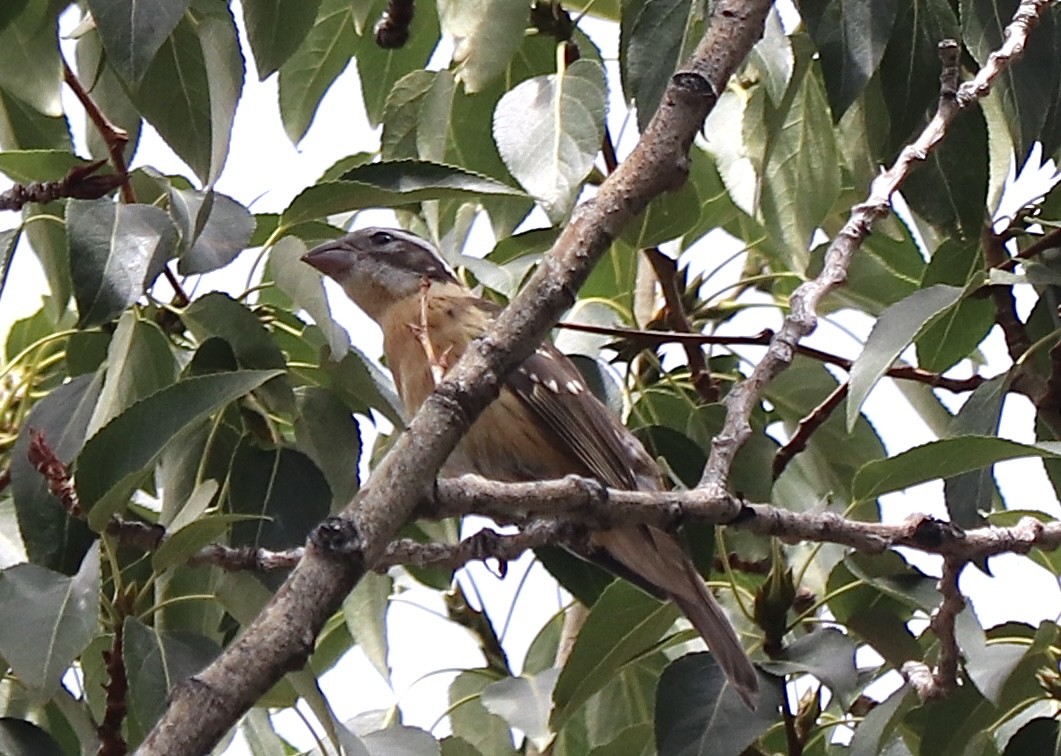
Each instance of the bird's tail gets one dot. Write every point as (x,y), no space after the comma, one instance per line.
(658,559)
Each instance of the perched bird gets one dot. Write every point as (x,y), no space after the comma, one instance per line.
(545,424)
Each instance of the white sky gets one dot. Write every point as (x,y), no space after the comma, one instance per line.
(264,171)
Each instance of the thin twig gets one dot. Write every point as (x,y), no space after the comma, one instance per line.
(1013,330)
(111,742)
(116,138)
(933,685)
(763,338)
(666,271)
(79,183)
(814,420)
(54,470)
(1049,401)
(1040,245)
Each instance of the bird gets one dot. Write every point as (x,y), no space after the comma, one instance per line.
(544,425)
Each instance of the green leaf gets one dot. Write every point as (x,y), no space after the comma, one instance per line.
(305,287)
(362,385)
(622,625)
(21,738)
(666,217)
(365,612)
(109,94)
(52,538)
(214,229)
(189,92)
(827,654)
(32,70)
(875,597)
(958,330)
(116,459)
(218,315)
(8,241)
(49,241)
(652,50)
(414,123)
(192,528)
(154,662)
(402,114)
(486,34)
(800,152)
(630,741)
(549,130)
(400,739)
(454,746)
(941,459)
(1029,86)
(139,363)
(26,166)
(957,724)
(58,616)
(390,184)
(541,655)
(327,432)
(323,53)
(380,69)
(116,251)
(881,725)
(282,489)
(949,190)
(909,70)
(583,580)
(969,494)
(1041,735)
(24,128)
(133,32)
(275,28)
(524,702)
(896,328)
(990,667)
(851,36)
(697,712)
(470,719)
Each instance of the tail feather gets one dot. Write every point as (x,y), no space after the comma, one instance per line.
(658,559)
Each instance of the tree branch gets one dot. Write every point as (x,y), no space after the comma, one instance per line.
(116,138)
(803,318)
(203,708)
(807,426)
(79,182)
(666,271)
(763,338)
(592,506)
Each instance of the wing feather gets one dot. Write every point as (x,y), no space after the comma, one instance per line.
(551,386)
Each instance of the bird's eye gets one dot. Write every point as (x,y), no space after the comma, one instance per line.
(382,237)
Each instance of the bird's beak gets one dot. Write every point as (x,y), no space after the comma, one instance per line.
(331,258)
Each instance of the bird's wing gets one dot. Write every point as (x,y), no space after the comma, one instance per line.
(552,387)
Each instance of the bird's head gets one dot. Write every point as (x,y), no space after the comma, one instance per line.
(380,266)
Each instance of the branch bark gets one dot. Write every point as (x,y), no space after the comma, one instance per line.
(203,708)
